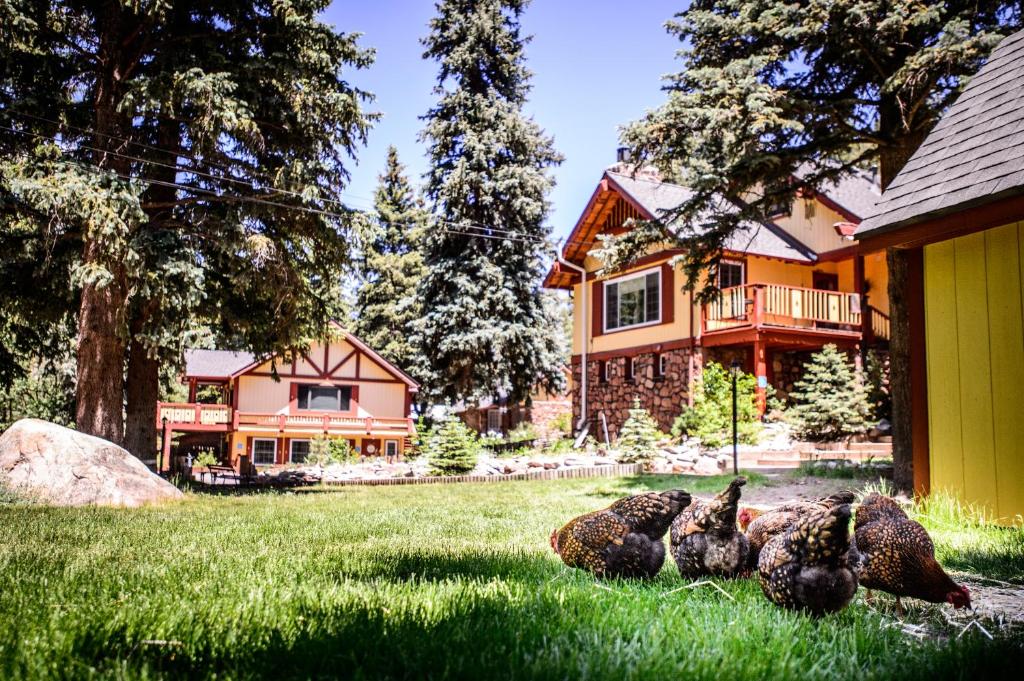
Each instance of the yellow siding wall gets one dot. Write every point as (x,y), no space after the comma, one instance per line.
(817,233)
(974,330)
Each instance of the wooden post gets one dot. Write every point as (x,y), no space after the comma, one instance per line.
(165,464)
(761,375)
(191,390)
(758,308)
(281,418)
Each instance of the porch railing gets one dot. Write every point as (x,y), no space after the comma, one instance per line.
(786,306)
(220,414)
(878,325)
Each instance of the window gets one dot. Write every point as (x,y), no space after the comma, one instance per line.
(493,420)
(264,451)
(324,397)
(730,273)
(658,365)
(662,365)
(604,371)
(298,451)
(390,448)
(633,300)
(630,369)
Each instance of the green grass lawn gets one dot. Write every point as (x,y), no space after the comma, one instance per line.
(440,581)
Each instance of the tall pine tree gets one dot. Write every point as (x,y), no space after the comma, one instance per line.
(178,159)
(484,329)
(387,305)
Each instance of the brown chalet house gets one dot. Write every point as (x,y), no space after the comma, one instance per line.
(789,286)
(338,388)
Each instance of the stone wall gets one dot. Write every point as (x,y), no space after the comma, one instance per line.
(663,396)
(543,414)
(787,369)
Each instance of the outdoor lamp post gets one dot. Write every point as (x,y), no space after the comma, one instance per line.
(735,371)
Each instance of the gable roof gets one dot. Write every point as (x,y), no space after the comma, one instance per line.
(973,155)
(215,364)
(227,364)
(853,195)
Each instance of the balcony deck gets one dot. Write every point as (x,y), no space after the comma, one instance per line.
(192,417)
(789,314)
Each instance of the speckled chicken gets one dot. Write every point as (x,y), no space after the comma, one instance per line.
(810,565)
(705,539)
(768,524)
(623,540)
(899,557)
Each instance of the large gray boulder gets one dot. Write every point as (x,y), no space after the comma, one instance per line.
(51,464)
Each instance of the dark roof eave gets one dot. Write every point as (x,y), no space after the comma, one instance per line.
(892,227)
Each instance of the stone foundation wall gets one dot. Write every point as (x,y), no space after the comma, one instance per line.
(787,369)
(663,396)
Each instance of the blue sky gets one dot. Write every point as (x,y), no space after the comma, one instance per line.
(597,65)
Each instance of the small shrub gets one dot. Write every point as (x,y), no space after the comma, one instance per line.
(563,424)
(325,451)
(454,449)
(524,431)
(562,446)
(204,459)
(639,436)
(830,401)
(878,387)
(710,417)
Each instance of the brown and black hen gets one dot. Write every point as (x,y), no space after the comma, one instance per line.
(705,539)
(810,565)
(769,524)
(623,540)
(899,557)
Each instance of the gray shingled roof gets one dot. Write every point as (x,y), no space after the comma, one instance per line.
(974,155)
(215,363)
(756,239)
(857,192)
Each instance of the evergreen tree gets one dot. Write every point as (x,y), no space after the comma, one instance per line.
(484,330)
(453,449)
(387,305)
(824,85)
(830,401)
(179,161)
(639,436)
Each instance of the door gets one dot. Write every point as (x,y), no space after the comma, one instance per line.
(823,281)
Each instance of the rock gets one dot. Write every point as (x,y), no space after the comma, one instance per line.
(56,465)
(707,465)
(534,464)
(550,465)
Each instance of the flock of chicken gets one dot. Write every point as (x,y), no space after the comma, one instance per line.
(802,551)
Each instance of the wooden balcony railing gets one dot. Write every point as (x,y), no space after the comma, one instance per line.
(205,415)
(878,325)
(786,306)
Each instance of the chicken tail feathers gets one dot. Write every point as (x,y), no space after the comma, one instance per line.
(822,537)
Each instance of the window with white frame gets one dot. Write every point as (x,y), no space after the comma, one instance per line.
(493,420)
(660,365)
(390,448)
(632,300)
(730,273)
(606,372)
(630,369)
(324,397)
(298,451)
(264,451)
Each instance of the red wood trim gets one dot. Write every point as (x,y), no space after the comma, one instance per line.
(192,390)
(838,254)
(234,395)
(845,212)
(597,309)
(327,352)
(625,196)
(918,373)
(282,448)
(638,350)
(758,305)
(198,427)
(319,372)
(270,375)
(668,291)
(354,401)
(359,370)
(293,397)
(342,362)
(967,221)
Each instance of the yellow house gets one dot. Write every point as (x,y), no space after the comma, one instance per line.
(339,388)
(789,286)
(957,207)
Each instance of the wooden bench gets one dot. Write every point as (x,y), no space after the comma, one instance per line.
(224,472)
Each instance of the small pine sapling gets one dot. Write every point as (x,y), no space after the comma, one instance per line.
(830,401)
(454,449)
(639,436)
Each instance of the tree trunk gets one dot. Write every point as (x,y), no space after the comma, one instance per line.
(891,161)
(142,392)
(99,392)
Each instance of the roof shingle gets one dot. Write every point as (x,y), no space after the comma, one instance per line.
(974,155)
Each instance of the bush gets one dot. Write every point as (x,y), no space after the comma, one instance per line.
(639,436)
(710,417)
(324,451)
(878,387)
(830,401)
(205,459)
(563,424)
(453,450)
(524,431)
